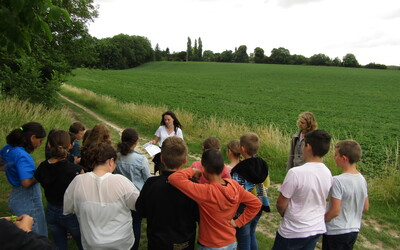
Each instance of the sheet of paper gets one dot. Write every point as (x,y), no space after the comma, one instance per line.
(152,149)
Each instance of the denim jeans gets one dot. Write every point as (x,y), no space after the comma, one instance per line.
(246,235)
(339,241)
(228,247)
(137,221)
(307,243)
(60,224)
(29,201)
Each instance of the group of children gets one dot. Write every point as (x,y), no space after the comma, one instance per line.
(225,201)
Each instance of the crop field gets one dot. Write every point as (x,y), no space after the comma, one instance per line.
(352,103)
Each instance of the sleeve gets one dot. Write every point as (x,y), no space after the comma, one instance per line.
(289,185)
(141,201)
(131,193)
(253,206)
(336,189)
(25,167)
(195,191)
(291,155)
(69,197)
(179,133)
(158,132)
(226,173)
(75,150)
(145,169)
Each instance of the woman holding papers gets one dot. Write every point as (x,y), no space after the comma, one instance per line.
(170,126)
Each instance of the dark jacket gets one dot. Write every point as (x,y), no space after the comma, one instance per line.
(171,215)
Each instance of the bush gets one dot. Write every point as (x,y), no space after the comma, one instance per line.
(375,66)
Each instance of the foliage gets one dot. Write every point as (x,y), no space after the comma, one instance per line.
(241,55)
(375,66)
(337,62)
(320,59)
(157,53)
(226,56)
(179,56)
(258,55)
(200,50)
(208,56)
(280,56)
(349,60)
(299,60)
(189,50)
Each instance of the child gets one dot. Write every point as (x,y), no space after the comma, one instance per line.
(135,167)
(349,198)
(233,153)
(25,197)
(302,198)
(78,129)
(171,215)
(218,201)
(210,142)
(55,174)
(251,173)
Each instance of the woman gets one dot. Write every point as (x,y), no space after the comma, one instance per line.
(102,201)
(306,123)
(170,126)
(135,167)
(55,174)
(25,197)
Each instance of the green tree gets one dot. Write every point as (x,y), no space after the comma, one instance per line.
(241,54)
(337,62)
(299,60)
(200,50)
(157,53)
(280,56)
(226,56)
(349,60)
(208,56)
(259,55)
(189,50)
(320,59)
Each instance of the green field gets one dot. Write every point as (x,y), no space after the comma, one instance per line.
(353,103)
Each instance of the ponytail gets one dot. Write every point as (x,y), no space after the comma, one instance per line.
(59,142)
(21,137)
(128,138)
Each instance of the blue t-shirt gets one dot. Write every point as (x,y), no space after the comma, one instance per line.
(75,150)
(18,163)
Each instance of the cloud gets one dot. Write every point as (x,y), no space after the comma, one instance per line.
(290,3)
(392,15)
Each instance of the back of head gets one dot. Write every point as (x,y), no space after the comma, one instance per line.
(76,127)
(234,147)
(310,119)
(349,148)
(21,137)
(250,142)
(212,161)
(98,134)
(59,142)
(211,142)
(97,154)
(319,140)
(129,138)
(173,152)
(86,135)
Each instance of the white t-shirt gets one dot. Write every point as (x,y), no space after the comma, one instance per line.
(162,134)
(103,206)
(351,190)
(307,187)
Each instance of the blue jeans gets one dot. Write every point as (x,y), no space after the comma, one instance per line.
(29,201)
(307,243)
(228,247)
(246,235)
(60,224)
(137,221)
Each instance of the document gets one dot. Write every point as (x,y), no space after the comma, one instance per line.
(151,149)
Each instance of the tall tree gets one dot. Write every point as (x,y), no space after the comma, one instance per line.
(349,60)
(259,55)
(194,57)
(200,50)
(157,53)
(189,50)
(241,54)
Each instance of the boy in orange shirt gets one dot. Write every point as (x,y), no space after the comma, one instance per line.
(218,201)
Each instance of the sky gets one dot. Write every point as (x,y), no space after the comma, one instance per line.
(369,29)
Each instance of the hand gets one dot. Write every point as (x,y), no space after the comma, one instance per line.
(197,174)
(233,223)
(24,222)
(151,142)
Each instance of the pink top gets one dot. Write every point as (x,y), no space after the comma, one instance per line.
(197,165)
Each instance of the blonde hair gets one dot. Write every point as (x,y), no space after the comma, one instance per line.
(173,152)
(310,120)
(234,147)
(351,149)
(250,142)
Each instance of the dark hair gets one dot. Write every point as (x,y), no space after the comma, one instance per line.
(97,154)
(21,137)
(319,140)
(73,137)
(212,161)
(177,124)
(76,127)
(128,138)
(173,152)
(250,142)
(86,135)
(98,134)
(59,142)
(211,142)
(349,148)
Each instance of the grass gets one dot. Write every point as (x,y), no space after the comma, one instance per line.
(348,103)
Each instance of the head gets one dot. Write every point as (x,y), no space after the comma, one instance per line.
(78,129)
(173,153)
(249,143)
(129,138)
(99,154)
(86,135)
(349,150)
(319,140)
(233,148)
(212,161)
(28,136)
(307,122)
(59,142)
(170,117)
(211,142)
(99,134)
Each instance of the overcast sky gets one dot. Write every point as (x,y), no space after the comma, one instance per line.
(367,28)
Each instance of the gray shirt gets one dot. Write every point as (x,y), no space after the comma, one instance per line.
(351,189)
(133,166)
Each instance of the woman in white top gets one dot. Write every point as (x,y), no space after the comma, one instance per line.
(102,201)
(170,126)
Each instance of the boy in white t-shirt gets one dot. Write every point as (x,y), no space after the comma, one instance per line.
(303,194)
(349,198)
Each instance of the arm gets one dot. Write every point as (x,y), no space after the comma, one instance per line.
(195,191)
(155,140)
(28,182)
(253,206)
(334,210)
(281,204)
(366,204)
